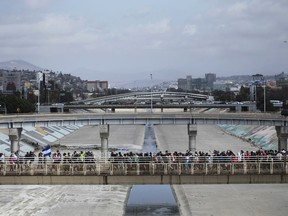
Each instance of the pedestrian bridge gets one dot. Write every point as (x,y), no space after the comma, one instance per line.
(100,171)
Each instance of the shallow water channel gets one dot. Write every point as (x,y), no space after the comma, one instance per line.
(151,199)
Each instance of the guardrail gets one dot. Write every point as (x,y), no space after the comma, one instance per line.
(114,166)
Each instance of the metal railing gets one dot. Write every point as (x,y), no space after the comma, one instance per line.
(155,165)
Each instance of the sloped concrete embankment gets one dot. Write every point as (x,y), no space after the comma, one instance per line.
(264,137)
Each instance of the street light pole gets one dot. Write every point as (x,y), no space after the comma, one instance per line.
(264,95)
(38,104)
(39,80)
(151,92)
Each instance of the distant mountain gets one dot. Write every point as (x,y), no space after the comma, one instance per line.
(129,79)
(19,65)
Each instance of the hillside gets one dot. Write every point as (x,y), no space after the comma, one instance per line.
(19,65)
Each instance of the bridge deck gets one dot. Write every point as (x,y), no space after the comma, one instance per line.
(144,173)
(142,119)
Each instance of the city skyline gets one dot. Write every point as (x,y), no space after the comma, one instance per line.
(128,40)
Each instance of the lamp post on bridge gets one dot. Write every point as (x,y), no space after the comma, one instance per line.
(39,79)
(151,92)
(264,95)
(258,78)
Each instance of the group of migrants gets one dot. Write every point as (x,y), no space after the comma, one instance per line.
(57,157)
(15,158)
(200,157)
(76,157)
(147,157)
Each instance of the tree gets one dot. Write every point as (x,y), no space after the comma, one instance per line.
(220,95)
(244,94)
(15,103)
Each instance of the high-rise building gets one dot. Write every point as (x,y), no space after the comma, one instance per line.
(182,84)
(189,83)
(200,84)
(210,79)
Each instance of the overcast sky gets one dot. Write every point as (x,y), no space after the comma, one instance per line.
(130,39)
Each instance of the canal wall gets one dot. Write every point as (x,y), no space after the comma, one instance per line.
(263,137)
(146,179)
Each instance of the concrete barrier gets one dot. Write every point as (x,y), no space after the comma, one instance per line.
(148,179)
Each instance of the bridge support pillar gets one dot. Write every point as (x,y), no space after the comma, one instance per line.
(238,108)
(14,137)
(13,140)
(104,134)
(192,133)
(282,134)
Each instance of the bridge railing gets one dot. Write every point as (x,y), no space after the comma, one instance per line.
(156,158)
(115,166)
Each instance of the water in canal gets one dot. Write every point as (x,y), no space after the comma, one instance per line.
(151,199)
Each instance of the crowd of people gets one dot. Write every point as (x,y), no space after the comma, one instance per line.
(147,157)
(200,156)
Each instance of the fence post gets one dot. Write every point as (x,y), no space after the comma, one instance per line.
(138,169)
(245,168)
(111,168)
(125,171)
(218,169)
(4,169)
(271,167)
(84,169)
(32,169)
(285,163)
(165,169)
(58,169)
(192,168)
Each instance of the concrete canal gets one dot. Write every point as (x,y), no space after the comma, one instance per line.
(151,199)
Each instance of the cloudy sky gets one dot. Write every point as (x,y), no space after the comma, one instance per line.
(129,39)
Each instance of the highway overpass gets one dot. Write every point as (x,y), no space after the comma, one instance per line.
(40,120)
(251,107)
(134,96)
(16,123)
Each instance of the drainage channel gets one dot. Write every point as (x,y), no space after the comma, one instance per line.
(151,199)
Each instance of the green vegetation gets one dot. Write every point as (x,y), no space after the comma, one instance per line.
(14,104)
